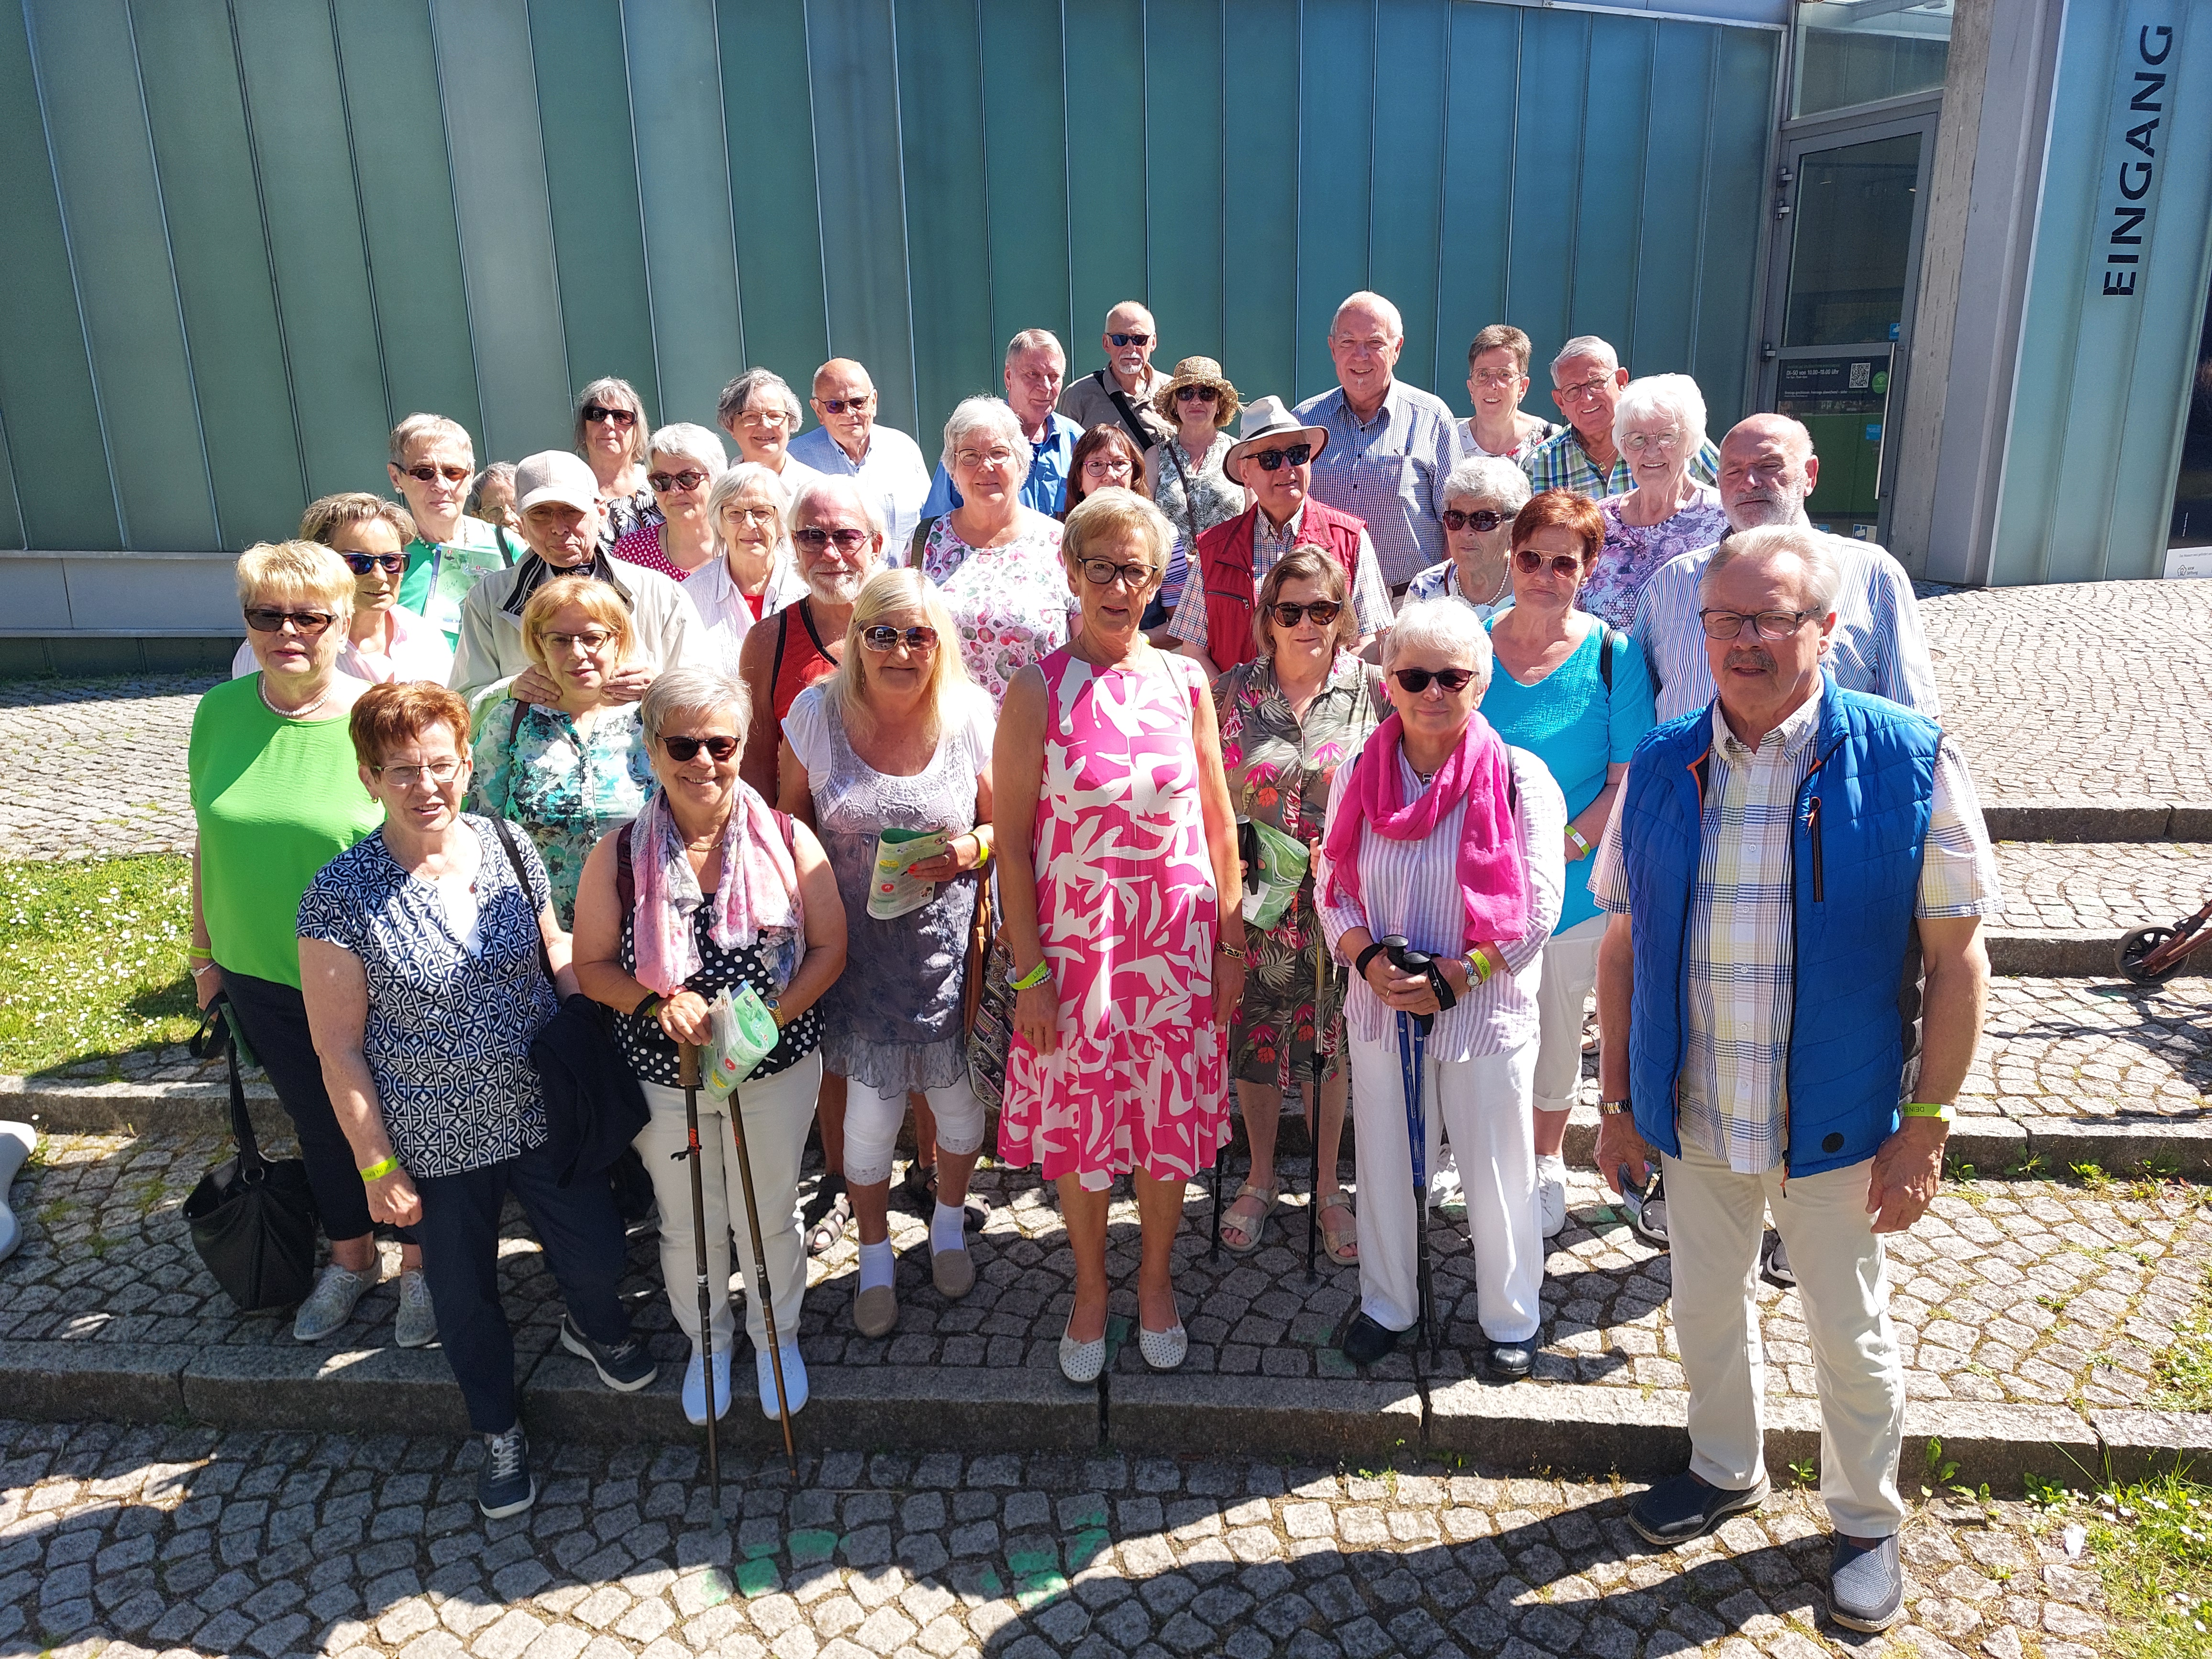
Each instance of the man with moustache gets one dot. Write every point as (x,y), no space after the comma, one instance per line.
(1798,848)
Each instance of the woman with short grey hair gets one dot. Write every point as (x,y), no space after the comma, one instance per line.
(763,415)
(754,572)
(1481,495)
(1659,429)
(682,463)
(610,434)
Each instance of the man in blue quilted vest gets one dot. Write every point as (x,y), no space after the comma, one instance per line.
(1794,873)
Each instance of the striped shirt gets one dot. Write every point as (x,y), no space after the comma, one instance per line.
(1390,470)
(1560,462)
(1441,581)
(1410,888)
(1738,959)
(1878,646)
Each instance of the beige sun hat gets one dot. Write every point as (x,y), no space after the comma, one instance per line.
(1198,371)
(1269,425)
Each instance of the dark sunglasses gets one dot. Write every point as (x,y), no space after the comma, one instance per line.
(1323,612)
(685,749)
(1454,521)
(596,413)
(814,538)
(1101,573)
(838,405)
(263,620)
(1527,562)
(1269,459)
(1416,680)
(361,564)
(883,639)
(1130,339)
(428,474)
(689,478)
(1197,394)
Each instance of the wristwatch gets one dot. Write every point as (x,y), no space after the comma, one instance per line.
(1613,1107)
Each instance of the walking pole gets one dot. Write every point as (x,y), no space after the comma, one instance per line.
(1413,1057)
(1313,1106)
(688,1075)
(760,1284)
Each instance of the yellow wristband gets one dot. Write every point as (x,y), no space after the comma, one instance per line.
(383,1167)
(1478,966)
(1940,1110)
(1034,977)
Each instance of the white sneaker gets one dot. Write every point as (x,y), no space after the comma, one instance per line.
(695,1385)
(794,1380)
(330,1304)
(415,1324)
(1550,1196)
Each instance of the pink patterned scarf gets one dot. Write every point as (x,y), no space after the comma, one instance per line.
(758,893)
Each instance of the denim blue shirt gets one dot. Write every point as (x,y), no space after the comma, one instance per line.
(1052,457)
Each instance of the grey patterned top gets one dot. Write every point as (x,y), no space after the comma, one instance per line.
(892,1020)
(1196,497)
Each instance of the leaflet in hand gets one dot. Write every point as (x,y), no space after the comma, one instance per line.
(895,890)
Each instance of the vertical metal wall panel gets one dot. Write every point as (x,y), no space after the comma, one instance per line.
(1608,206)
(1728,198)
(196,110)
(1477,231)
(768,125)
(852,46)
(940,81)
(1336,159)
(1025,169)
(11,510)
(497,160)
(1182,177)
(1411,56)
(676,95)
(289,59)
(1551,91)
(1670,214)
(1106,227)
(388,62)
(1260,191)
(119,259)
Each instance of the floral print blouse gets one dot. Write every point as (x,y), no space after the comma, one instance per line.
(564,788)
(1010,604)
(619,515)
(1633,552)
(1280,767)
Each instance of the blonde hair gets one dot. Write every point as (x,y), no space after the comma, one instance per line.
(420,425)
(600,602)
(326,515)
(890,593)
(295,570)
(1107,515)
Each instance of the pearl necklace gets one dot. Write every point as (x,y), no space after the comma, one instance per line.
(303,710)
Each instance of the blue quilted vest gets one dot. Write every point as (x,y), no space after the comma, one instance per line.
(1862,816)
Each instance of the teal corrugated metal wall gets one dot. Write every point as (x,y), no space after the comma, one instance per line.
(239,238)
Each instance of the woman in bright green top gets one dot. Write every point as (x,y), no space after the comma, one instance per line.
(277,794)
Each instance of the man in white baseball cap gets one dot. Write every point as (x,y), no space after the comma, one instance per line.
(557,498)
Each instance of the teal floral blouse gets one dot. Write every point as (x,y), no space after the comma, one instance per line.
(564,789)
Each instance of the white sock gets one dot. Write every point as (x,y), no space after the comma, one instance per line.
(948,1228)
(878,1266)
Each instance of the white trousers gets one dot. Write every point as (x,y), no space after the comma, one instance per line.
(1570,970)
(1715,1220)
(777,1111)
(1482,1107)
(872,1117)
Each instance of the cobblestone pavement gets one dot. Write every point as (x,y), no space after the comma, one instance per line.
(179,1540)
(2109,887)
(2029,1292)
(2055,1051)
(96,767)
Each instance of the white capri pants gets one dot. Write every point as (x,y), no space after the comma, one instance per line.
(1570,970)
(872,1117)
(777,1110)
(1482,1106)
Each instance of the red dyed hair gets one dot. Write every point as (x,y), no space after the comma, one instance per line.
(389,715)
(1566,509)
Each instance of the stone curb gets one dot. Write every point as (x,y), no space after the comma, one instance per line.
(2073,953)
(2121,819)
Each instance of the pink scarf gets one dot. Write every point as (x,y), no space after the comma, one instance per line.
(758,894)
(1493,887)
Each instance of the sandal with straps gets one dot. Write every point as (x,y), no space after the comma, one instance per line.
(1342,1243)
(1255,1223)
(827,1229)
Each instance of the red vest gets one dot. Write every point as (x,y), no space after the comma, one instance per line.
(1224,562)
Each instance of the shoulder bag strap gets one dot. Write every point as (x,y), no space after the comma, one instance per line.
(1130,419)
(1605,646)
(625,871)
(920,540)
(506,835)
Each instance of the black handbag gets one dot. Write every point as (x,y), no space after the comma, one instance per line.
(253,1218)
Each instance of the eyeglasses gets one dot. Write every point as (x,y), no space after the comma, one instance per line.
(1104,573)
(1197,394)
(1637,442)
(684,749)
(1497,377)
(361,564)
(1269,459)
(426,473)
(980,459)
(1583,391)
(1485,520)
(1323,612)
(1116,468)
(441,772)
(666,483)
(883,639)
(839,405)
(593,640)
(751,515)
(814,539)
(595,413)
(1528,562)
(1767,624)
(1416,680)
(765,417)
(263,620)
(1130,339)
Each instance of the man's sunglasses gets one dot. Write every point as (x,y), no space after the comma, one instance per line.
(689,478)
(813,538)
(426,473)
(1130,339)
(595,413)
(685,749)
(1323,612)
(361,564)
(884,639)
(264,620)
(1485,520)
(838,405)
(1528,562)
(1269,459)
(1416,680)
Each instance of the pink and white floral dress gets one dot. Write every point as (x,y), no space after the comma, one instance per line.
(1011,603)
(1128,917)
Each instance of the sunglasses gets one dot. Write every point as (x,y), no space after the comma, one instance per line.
(663,483)
(361,564)
(1130,339)
(1197,394)
(595,413)
(1416,680)
(883,639)
(1103,572)
(1529,563)
(685,749)
(839,405)
(1269,459)
(263,620)
(1323,612)
(814,539)
(426,473)
(1454,521)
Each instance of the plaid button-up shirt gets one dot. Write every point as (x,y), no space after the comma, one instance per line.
(1738,959)
(1560,462)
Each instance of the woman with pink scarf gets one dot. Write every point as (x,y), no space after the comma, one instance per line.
(711,889)
(1441,834)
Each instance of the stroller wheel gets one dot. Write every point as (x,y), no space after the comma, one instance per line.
(2140,944)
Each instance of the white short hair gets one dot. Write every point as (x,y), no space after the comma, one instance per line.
(1824,576)
(1663,396)
(1489,478)
(1443,625)
(838,487)
(1584,345)
(734,482)
(1366,300)
(973,415)
(693,443)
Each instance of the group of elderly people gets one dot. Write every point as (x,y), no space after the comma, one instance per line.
(1268,750)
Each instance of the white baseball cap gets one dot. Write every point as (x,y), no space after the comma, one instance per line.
(555,475)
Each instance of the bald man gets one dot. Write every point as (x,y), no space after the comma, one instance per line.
(850,443)
(1121,394)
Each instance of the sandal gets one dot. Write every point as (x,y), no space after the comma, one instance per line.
(1253,1224)
(1342,1243)
(920,1188)
(827,1229)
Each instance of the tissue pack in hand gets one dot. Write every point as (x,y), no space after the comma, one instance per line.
(743,1033)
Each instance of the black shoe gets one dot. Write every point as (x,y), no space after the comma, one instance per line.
(1647,1217)
(504,1485)
(623,1366)
(1367,1341)
(1866,1586)
(1777,1264)
(1675,1511)
(1508,1362)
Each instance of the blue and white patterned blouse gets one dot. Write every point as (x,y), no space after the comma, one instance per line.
(565,788)
(447,1039)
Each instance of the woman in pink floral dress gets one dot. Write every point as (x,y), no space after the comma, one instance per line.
(1115,840)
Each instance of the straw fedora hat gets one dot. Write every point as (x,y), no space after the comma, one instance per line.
(1269,425)
(1198,371)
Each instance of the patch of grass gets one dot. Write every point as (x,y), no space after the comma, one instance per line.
(2152,1545)
(2090,1176)
(2181,1378)
(94,965)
